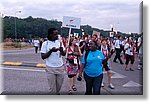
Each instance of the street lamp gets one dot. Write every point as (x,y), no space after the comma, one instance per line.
(15,25)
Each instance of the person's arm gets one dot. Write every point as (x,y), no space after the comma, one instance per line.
(81,70)
(46,55)
(82,65)
(79,51)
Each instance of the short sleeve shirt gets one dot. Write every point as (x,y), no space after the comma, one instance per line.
(129,51)
(93,66)
(54,60)
(117,44)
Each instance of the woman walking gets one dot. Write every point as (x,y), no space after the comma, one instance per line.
(129,51)
(72,64)
(92,68)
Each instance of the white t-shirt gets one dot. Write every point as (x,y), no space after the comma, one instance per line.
(117,44)
(36,43)
(129,51)
(54,60)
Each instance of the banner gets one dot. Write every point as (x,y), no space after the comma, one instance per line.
(111,34)
(76,34)
(71,22)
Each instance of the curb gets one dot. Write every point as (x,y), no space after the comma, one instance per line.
(37,65)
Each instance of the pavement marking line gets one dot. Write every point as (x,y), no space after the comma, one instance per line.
(132,84)
(41,66)
(117,75)
(12,63)
(33,70)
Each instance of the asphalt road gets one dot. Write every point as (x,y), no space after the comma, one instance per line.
(31,80)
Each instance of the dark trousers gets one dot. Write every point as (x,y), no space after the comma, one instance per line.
(118,51)
(36,49)
(93,83)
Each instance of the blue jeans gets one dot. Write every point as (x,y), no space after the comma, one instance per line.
(93,83)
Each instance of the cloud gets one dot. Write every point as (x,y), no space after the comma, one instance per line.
(98,13)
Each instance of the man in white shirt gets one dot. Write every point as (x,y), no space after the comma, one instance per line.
(52,50)
(118,50)
(36,44)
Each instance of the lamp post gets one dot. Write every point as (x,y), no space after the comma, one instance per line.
(15,25)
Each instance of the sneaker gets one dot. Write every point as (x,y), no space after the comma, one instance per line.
(111,86)
(70,92)
(139,68)
(102,84)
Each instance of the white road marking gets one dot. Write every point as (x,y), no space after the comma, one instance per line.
(21,69)
(117,75)
(132,84)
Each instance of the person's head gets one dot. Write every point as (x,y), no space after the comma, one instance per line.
(52,34)
(72,41)
(104,42)
(119,37)
(99,41)
(92,45)
(94,37)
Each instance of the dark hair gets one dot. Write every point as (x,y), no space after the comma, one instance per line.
(71,40)
(50,33)
(104,39)
(119,37)
(95,42)
(95,35)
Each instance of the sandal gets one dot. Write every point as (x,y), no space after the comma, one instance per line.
(74,88)
(70,92)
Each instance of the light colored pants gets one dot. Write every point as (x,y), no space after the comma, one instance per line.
(55,78)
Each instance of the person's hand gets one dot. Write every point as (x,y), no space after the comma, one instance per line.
(79,77)
(54,49)
(61,49)
(80,74)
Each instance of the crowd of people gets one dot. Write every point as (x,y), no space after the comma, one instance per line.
(86,57)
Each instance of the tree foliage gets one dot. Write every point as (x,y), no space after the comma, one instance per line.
(37,27)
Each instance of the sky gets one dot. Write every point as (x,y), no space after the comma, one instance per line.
(122,14)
